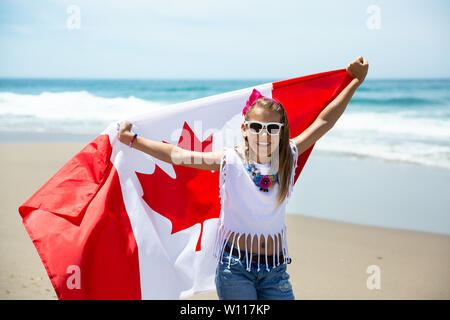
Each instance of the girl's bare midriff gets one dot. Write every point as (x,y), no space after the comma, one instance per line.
(262,245)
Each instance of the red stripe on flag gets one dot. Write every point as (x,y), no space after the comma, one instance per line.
(81,230)
(304,98)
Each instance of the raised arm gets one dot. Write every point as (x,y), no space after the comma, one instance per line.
(328,117)
(171,153)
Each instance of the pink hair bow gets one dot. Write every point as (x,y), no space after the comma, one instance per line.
(253,98)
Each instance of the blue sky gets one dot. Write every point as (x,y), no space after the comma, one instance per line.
(222,39)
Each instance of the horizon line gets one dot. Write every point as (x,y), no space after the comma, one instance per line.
(197,79)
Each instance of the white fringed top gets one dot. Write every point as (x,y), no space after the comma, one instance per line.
(245,210)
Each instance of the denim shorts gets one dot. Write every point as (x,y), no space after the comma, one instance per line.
(236,283)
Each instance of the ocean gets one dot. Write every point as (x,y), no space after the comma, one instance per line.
(396,120)
(385,163)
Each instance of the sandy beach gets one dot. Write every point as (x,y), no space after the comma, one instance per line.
(330,258)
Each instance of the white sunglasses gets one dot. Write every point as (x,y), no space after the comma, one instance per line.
(272,128)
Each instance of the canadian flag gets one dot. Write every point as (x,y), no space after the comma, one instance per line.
(117,223)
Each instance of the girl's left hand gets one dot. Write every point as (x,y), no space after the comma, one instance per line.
(358,68)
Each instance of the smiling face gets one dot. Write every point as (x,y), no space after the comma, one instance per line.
(262,144)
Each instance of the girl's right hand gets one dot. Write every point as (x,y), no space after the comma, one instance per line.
(124,132)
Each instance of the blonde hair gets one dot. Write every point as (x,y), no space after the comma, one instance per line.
(285,161)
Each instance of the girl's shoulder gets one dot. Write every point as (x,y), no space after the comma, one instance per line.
(293,146)
(233,155)
(235,149)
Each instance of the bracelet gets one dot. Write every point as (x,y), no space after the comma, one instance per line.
(132,139)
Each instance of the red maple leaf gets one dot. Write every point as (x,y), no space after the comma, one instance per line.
(192,197)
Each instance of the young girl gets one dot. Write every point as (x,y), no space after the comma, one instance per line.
(256,180)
